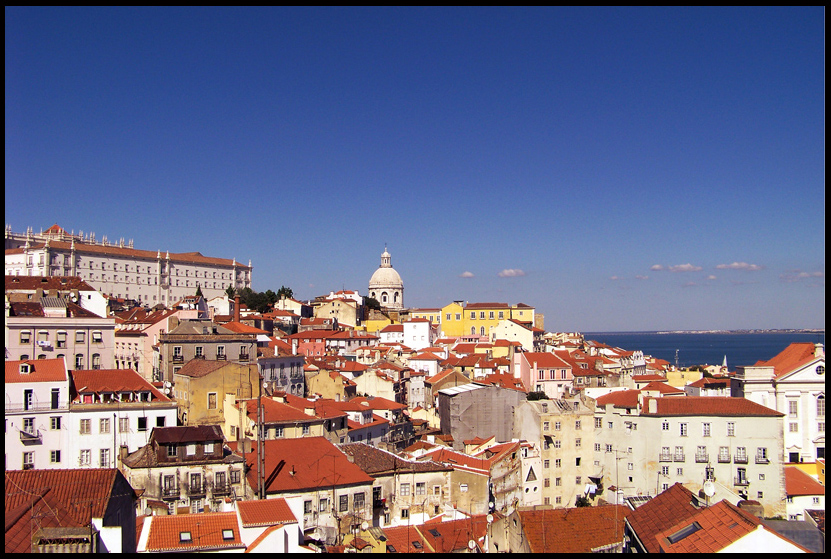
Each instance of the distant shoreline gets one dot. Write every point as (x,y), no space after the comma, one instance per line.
(760,331)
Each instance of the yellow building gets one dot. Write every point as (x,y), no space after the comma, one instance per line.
(679,378)
(433,315)
(452,323)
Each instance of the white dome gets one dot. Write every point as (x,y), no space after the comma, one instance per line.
(385,277)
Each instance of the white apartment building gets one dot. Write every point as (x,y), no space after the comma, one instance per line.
(112,413)
(119,270)
(37,406)
(644,445)
(793,383)
(418,333)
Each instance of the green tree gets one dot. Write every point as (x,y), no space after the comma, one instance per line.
(230,291)
(199,290)
(286,292)
(537,396)
(372,303)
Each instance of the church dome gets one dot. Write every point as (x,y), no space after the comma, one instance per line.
(386,285)
(385,277)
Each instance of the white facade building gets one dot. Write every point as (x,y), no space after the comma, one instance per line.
(418,333)
(119,270)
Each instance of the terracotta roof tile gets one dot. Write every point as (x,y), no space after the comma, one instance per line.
(670,507)
(576,530)
(717,527)
(267,512)
(708,405)
(112,380)
(792,357)
(194,532)
(798,483)
(41,370)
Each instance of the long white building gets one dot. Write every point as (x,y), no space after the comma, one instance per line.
(118,269)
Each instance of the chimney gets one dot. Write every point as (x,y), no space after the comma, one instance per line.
(819,350)
(236,308)
(653,405)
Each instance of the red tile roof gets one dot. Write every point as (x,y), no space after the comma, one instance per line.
(50,283)
(240,328)
(661,388)
(404,539)
(53,498)
(792,357)
(454,535)
(42,370)
(799,483)
(544,360)
(299,465)
(577,530)
(719,526)
(620,399)
(267,512)
(206,531)
(708,405)
(112,380)
(663,511)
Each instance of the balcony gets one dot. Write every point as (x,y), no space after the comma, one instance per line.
(678,458)
(665,457)
(28,438)
(196,489)
(220,357)
(178,359)
(702,457)
(243,357)
(740,459)
(741,480)
(199,356)
(221,488)
(762,460)
(170,493)
(724,458)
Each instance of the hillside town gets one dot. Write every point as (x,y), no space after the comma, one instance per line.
(150,409)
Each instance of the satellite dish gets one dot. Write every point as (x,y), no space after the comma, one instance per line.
(709,488)
(364,525)
(167,391)
(490,518)
(471,544)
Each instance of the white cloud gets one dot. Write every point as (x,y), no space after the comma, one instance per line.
(614,278)
(466,275)
(657,268)
(798,275)
(510,273)
(739,266)
(642,277)
(711,277)
(685,268)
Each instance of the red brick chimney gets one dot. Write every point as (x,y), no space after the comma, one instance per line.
(236,308)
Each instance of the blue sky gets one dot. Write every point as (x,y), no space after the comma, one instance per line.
(619,169)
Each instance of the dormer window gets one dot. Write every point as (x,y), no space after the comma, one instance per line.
(25,368)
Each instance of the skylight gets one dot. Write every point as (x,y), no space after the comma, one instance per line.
(684,532)
(227,534)
(185,537)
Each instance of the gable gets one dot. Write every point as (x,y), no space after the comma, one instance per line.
(811,372)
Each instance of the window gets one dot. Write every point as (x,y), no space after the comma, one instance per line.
(405,489)
(598,423)
(97,337)
(578,480)
(307,507)
(558,443)
(577,461)
(608,448)
(104,458)
(557,425)
(55,457)
(724,454)
(86,426)
(558,481)
(306,430)
(793,427)
(85,457)
(762,455)
(421,488)
(437,490)
(209,448)
(190,450)
(665,426)
(482,315)
(741,454)
(172,450)
(79,336)
(821,406)
(545,425)
(104,425)
(25,337)
(731,429)
(558,462)
(61,342)
(683,429)
(359,500)
(279,432)
(160,420)
(463,487)
(142,424)
(793,408)
(705,429)
(211,400)
(200,352)
(578,443)
(578,425)
(546,482)
(323,505)
(343,504)
(29,425)
(123,424)
(597,447)
(679,471)
(405,513)
(79,361)
(546,463)
(55,423)
(664,470)
(28,460)
(235,476)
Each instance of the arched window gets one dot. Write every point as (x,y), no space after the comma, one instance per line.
(384,297)
(821,405)
(482,331)
(473,330)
